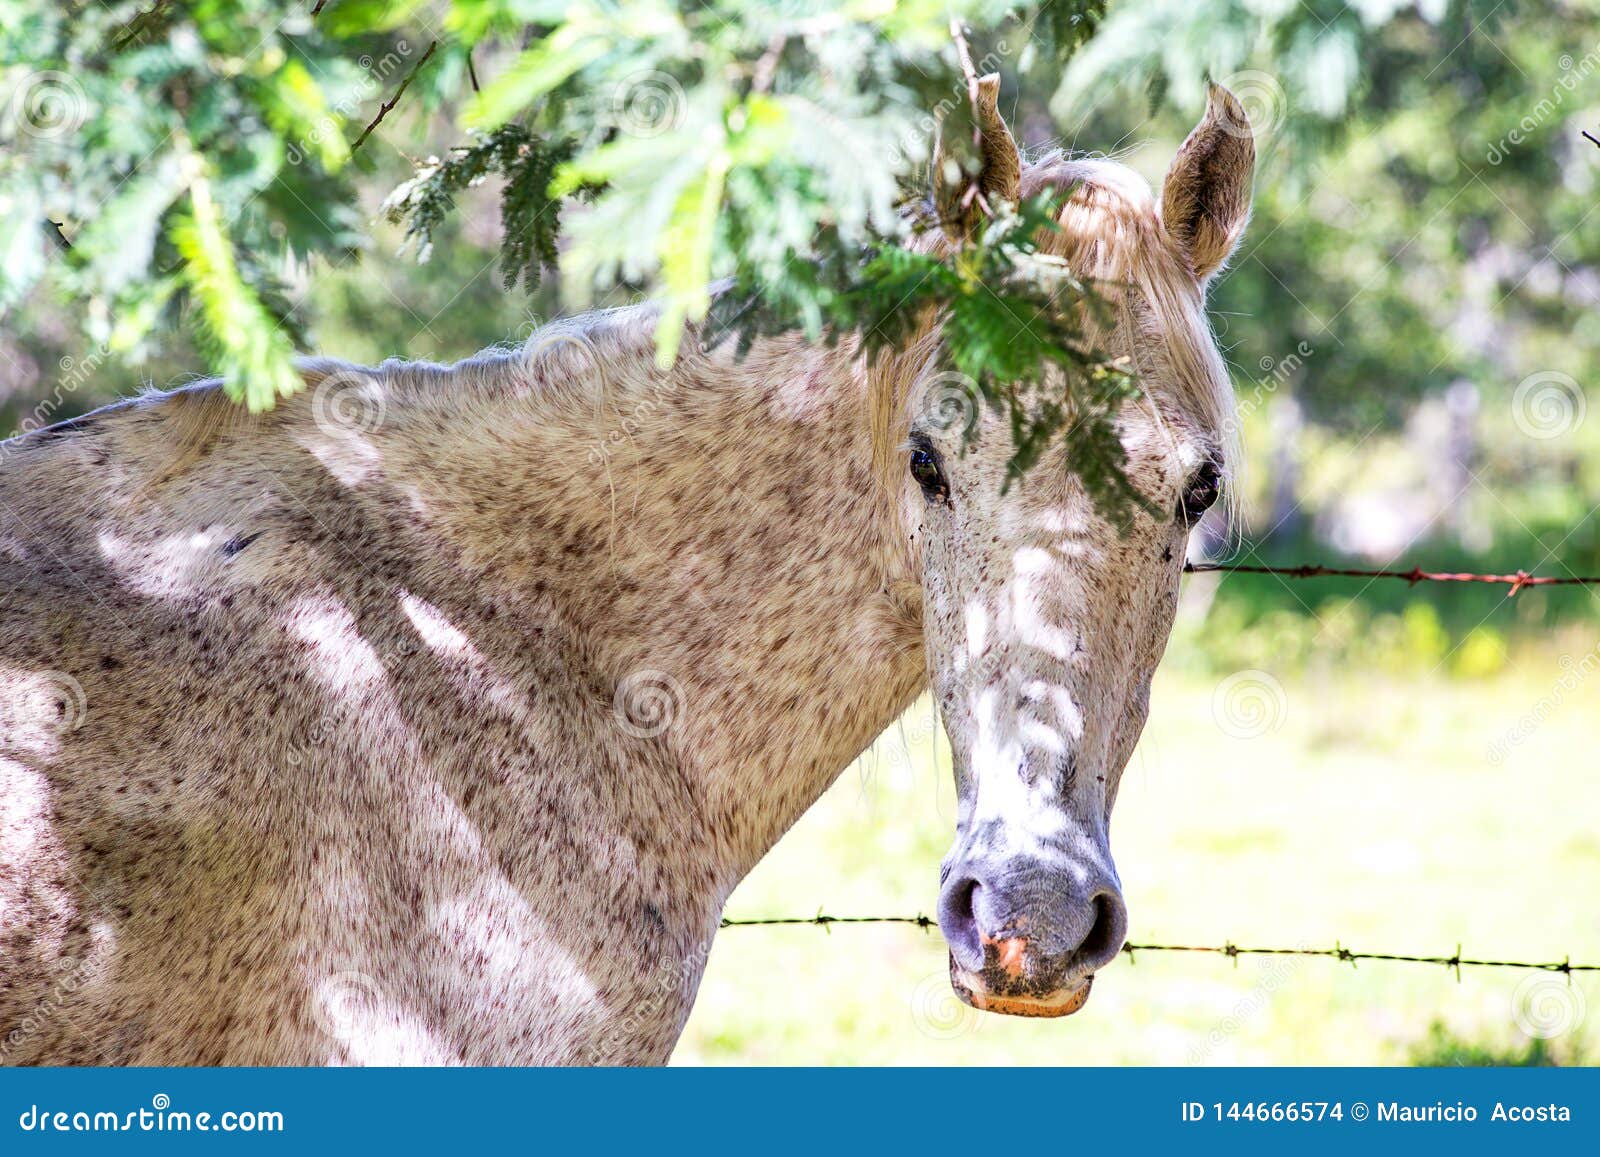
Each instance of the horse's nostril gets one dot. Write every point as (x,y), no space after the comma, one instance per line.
(959,922)
(1106,936)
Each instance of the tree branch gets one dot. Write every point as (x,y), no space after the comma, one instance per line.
(964,52)
(767,66)
(388,105)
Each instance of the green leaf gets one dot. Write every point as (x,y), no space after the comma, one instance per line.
(298,109)
(533,74)
(119,243)
(236,329)
(686,248)
(354,17)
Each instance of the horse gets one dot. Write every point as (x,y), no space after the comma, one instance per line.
(432,716)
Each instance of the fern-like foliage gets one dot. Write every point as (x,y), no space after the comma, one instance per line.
(163,163)
(530,215)
(1014,321)
(236,330)
(777,145)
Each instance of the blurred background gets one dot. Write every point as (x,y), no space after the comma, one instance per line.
(1411,324)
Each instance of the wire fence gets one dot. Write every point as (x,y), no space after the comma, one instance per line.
(1455,961)
(1517,581)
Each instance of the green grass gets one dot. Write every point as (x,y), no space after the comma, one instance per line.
(1372,815)
(1441,1048)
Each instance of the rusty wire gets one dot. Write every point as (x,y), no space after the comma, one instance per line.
(1455,961)
(1518,581)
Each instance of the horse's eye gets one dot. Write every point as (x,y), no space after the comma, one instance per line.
(925,469)
(1202,493)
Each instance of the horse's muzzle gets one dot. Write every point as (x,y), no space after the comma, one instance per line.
(1026,938)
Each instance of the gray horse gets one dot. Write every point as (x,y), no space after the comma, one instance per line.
(432,717)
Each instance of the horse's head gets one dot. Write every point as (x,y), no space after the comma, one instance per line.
(1043,620)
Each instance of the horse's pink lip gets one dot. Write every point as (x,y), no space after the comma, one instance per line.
(1063,1003)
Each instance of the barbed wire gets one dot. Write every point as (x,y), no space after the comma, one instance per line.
(822,919)
(1455,961)
(1516,582)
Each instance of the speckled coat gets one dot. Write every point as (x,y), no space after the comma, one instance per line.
(432,717)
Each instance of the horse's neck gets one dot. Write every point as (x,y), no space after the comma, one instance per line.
(716,541)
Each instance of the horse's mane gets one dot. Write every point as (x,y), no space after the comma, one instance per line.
(560,362)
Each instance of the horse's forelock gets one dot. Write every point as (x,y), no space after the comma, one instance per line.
(1111,234)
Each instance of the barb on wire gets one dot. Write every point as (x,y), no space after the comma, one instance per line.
(1456,961)
(1415,575)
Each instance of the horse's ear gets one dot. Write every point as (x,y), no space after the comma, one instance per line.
(1000,178)
(1205,200)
